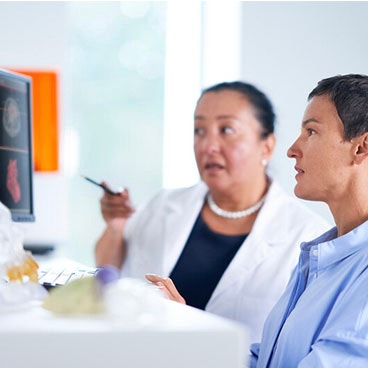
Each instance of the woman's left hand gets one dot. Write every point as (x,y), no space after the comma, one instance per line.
(167,286)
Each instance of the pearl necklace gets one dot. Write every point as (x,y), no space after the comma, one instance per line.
(233,215)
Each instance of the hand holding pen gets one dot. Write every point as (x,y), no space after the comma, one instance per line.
(115,205)
(104,186)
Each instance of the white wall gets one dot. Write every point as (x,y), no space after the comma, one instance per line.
(34,35)
(198,56)
(284,48)
(87,43)
(287,47)
(182,86)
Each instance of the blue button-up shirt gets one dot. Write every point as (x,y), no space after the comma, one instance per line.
(322,318)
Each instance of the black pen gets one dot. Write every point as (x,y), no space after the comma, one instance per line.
(104,187)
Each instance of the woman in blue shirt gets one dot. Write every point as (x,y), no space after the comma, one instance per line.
(322,318)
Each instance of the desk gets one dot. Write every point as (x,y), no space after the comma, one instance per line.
(188,338)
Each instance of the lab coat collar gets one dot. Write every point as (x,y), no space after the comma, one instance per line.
(266,234)
(273,208)
(182,210)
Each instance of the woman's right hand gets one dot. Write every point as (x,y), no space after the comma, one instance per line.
(167,287)
(114,207)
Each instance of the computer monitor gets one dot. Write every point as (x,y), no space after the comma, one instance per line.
(16,159)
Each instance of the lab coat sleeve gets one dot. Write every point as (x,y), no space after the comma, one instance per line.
(137,231)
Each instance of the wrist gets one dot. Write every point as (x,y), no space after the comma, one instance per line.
(116,225)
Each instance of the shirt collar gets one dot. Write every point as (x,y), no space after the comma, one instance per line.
(331,249)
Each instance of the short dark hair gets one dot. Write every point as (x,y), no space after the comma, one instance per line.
(261,103)
(349,94)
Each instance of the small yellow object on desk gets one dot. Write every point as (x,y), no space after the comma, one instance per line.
(27,268)
(82,296)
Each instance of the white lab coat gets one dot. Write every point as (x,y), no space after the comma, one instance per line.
(257,275)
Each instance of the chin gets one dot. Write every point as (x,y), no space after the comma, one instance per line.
(300,192)
(304,194)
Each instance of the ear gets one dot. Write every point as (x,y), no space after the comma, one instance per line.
(268,146)
(361,149)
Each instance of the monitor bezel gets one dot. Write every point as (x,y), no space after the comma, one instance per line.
(6,73)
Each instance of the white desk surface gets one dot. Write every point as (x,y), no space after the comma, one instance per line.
(187,337)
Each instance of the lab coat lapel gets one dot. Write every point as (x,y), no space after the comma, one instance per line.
(259,244)
(181,214)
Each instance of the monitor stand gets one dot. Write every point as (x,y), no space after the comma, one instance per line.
(39,249)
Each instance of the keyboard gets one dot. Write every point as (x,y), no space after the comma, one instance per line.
(55,276)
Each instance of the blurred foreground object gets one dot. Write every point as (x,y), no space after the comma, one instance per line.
(80,296)
(18,269)
(130,301)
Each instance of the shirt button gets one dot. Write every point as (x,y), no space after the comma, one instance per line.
(315,275)
(315,252)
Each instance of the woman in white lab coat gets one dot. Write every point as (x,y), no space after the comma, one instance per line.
(229,243)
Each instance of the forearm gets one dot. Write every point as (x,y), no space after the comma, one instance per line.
(110,248)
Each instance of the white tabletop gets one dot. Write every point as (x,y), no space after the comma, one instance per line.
(185,337)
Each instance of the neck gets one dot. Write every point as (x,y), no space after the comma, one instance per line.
(350,210)
(239,198)
(233,215)
(226,205)
(346,222)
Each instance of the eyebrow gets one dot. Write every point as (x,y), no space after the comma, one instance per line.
(219,117)
(311,120)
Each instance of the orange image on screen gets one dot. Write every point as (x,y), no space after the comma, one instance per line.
(12,181)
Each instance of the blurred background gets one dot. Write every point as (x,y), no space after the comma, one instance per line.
(128,77)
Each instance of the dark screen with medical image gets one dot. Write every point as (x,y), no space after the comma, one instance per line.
(14,181)
(16,166)
(13,117)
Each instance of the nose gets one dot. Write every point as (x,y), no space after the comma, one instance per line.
(211,143)
(293,150)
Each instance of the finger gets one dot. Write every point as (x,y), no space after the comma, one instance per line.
(116,207)
(156,281)
(119,192)
(154,278)
(159,282)
(169,287)
(116,211)
(110,202)
(173,290)
(163,290)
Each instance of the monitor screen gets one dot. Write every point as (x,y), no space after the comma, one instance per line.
(16,162)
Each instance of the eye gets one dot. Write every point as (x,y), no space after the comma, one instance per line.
(227,130)
(311,131)
(198,131)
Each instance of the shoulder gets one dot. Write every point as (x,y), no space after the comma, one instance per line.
(198,190)
(177,201)
(183,196)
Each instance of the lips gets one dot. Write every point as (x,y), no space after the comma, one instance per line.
(213,166)
(299,170)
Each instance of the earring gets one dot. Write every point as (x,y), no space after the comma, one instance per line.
(264,162)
